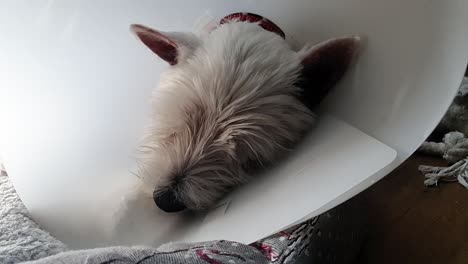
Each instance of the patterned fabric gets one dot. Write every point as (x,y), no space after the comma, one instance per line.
(333,237)
(216,252)
(283,247)
(286,245)
(22,240)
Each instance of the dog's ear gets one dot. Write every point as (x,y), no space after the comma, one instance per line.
(172,47)
(323,66)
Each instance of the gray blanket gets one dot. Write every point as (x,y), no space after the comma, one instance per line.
(334,237)
(20,237)
(284,247)
(209,252)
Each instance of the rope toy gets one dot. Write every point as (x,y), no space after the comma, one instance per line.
(454,145)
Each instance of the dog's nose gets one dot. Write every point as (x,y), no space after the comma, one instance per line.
(168,202)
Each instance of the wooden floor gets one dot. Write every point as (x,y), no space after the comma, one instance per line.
(410,223)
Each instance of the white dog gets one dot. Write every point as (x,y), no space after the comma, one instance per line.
(231,103)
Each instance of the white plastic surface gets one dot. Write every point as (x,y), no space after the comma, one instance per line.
(75,86)
(335,159)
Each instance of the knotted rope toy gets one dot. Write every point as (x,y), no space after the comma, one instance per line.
(454,145)
(454,149)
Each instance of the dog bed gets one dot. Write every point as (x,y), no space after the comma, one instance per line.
(21,238)
(334,237)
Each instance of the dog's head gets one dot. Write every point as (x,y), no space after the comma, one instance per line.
(230,103)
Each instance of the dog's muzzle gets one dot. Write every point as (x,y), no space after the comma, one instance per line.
(168,202)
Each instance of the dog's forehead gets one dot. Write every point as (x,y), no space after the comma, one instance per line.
(232,62)
(242,49)
(245,34)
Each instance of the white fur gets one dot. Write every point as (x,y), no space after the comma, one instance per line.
(227,107)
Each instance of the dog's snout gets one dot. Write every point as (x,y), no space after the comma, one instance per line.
(168,202)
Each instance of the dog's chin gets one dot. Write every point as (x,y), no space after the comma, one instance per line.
(201,208)
(190,197)
(129,212)
(206,205)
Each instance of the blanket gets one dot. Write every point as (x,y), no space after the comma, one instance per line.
(333,237)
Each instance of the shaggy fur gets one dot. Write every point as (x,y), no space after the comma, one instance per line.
(226,107)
